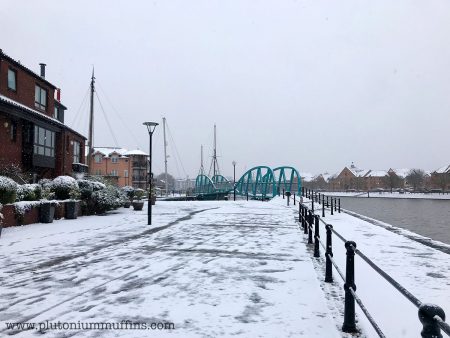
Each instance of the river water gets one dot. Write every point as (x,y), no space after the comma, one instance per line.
(430,218)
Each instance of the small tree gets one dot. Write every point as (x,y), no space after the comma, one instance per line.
(416,178)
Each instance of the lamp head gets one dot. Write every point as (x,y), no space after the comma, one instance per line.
(150,126)
(233,163)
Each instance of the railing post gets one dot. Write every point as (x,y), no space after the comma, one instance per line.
(331,205)
(288,197)
(299,212)
(312,204)
(319,198)
(294,198)
(303,191)
(283,193)
(328,255)
(335,204)
(316,236)
(305,228)
(339,208)
(302,210)
(327,202)
(349,309)
(247,195)
(310,230)
(431,328)
(323,209)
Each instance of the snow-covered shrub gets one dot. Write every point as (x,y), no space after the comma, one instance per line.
(129,191)
(8,190)
(108,199)
(64,187)
(139,194)
(29,192)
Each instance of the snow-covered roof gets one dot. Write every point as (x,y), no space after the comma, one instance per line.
(308,177)
(108,151)
(135,152)
(358,172)
(40,114)
(377,173)
(403,172)
(442,170)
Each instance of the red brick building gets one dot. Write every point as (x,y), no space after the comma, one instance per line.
(122,166)
(33,135)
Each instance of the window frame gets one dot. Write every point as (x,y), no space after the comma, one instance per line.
(11,70)
(41,145)
(76,152)
(39,104)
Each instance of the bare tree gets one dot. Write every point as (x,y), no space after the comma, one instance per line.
(416,178)
(393,181)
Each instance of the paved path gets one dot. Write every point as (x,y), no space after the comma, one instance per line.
(214,269)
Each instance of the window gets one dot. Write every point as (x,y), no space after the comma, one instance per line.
(98,158)
(98,172)
(125,173)
(76,152)
(44,142)
(56,113)
(114,173)
(115,159)
(12,79)
(40,98)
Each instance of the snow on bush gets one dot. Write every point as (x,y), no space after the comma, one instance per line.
(64,187)
(108,199)
(139,193)
(8,190)
(20,208)
(129,191)
(29,192)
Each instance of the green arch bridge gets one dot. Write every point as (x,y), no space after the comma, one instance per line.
(261,182)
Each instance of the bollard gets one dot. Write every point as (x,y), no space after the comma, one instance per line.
(319,198)
(312,204)
(299,212)
(328,255)
(303,191)
(323,209)
(431,328)
(335,204)
(339,208)
(283,193)
(327,202)
(316,236)
(331,209)
(288,197)
(349,309)
(310,223)
(247,195)
(294,198)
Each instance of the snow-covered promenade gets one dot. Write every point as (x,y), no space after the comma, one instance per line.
(213,269)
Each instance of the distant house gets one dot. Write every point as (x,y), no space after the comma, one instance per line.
(122,166)
(33,135)
(377,180)
(440,179)
(350,178)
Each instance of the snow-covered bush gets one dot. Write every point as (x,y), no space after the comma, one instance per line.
(64,187)
(139,194)
(129,191)
(29,192)
(8,190)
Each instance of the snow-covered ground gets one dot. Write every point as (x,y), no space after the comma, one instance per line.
(437,196)
(213,269)
(410,259)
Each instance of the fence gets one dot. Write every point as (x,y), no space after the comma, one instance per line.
(431,316)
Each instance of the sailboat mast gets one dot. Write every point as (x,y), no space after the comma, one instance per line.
(91,123)
(202,169)
(215,154)
(165,156)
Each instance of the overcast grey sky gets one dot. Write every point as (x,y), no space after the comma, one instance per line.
(313,84)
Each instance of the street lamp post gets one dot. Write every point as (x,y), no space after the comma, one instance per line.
(151,128)
(234,180)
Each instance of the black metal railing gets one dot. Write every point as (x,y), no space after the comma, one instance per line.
(431,316)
